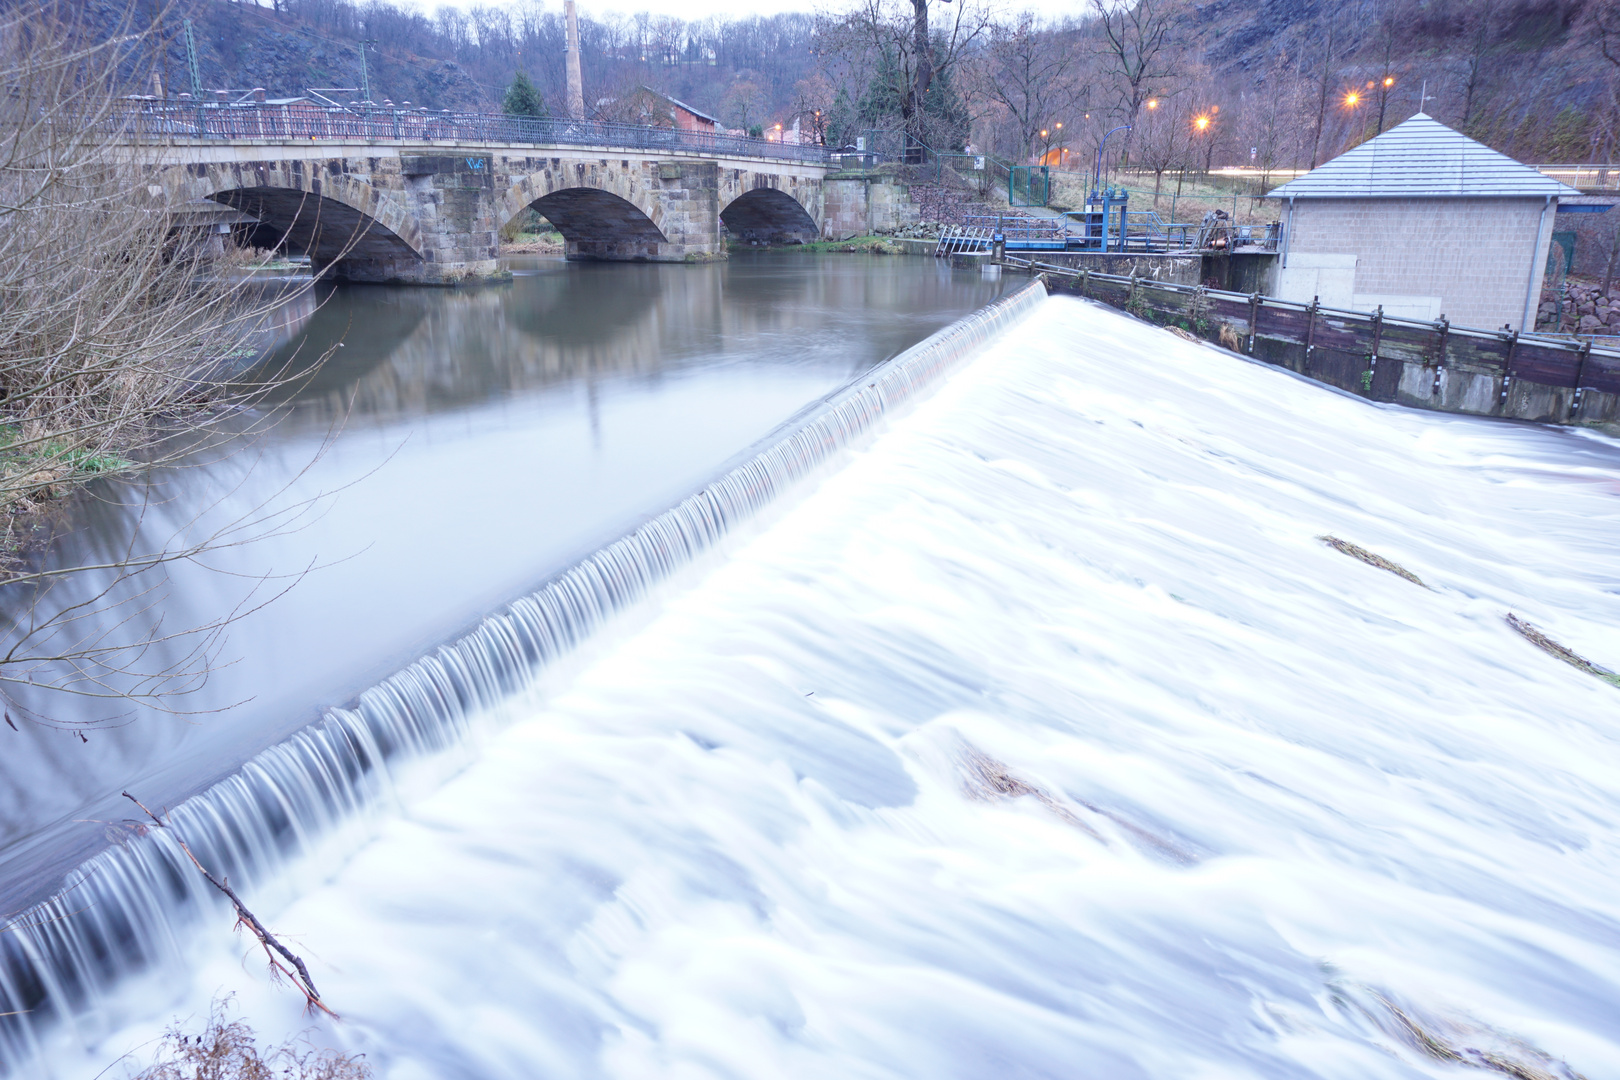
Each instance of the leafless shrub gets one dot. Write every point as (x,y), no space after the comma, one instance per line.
(227,1049)
(123,342)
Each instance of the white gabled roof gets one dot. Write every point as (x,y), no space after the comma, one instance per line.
(1420,158)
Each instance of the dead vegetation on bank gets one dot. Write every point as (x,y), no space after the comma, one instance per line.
(1553,649)
(1355,551)
(127,334)
(227,1049)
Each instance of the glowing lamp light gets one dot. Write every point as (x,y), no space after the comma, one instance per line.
(1153,103)
(1043,133)
(1389,81)
(1352,99)
(1202,123)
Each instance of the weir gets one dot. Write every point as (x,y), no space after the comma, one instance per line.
(127,912)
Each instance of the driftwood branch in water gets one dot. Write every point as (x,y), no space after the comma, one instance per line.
(273,948)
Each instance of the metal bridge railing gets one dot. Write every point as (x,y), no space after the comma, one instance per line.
(1584,177)
(251,121)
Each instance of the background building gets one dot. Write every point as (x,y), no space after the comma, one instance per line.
(1423,221)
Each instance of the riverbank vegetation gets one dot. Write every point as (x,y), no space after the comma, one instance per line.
(866,245)
(228,1049)
(125,338)
(530,234)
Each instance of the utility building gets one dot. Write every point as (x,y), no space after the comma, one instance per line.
(1422,221)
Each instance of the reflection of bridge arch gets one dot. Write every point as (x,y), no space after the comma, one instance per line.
(603,213)
(328,214)
(769,215)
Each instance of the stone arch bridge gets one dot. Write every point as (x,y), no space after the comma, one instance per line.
(430,211)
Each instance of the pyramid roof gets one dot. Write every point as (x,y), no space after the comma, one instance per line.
(1421,158)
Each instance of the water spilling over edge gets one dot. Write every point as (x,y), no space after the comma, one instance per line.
(127,910)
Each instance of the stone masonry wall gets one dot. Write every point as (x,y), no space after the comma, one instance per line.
(860,206)
(430,214)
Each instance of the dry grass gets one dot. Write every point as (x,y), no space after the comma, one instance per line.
(1355,551)
(1552,648)
(227,1049)
(987,779)
(1466,1044)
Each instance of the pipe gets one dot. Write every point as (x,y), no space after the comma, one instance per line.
(1288,232)
(1527,324)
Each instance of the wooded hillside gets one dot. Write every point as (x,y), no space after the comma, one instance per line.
(1272,79)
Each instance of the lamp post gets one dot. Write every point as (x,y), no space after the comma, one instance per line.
(1096,184)
(1383,99)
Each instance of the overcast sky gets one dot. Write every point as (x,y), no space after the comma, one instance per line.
(685,9)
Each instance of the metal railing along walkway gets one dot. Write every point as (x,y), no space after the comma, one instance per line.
(252,121)
(1590,178)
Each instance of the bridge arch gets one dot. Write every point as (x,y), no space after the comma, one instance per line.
(769,215)
(604,214)
(327,213)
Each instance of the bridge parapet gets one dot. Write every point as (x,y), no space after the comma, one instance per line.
(247,122)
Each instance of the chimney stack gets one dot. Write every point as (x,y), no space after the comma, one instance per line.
(576,87)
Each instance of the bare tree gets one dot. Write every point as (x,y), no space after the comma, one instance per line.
(1140,50)
(911,55)
(1030,73)
(123,344)
(1165,138)
(1324,73)
(1481,31)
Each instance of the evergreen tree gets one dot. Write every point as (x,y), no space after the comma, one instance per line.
(522,99)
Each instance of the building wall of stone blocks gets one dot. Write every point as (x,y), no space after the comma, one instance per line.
(1473,260)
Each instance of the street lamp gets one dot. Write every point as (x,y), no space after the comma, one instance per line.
(1202,125)
(1096,184)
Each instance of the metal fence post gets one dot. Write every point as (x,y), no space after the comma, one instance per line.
(1580,373)
(1507,369)
(1440,354)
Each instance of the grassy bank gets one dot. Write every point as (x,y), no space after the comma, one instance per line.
(870,245)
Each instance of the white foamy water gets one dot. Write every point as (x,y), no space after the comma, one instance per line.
(1044,739)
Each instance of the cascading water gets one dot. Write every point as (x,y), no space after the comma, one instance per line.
(126,912)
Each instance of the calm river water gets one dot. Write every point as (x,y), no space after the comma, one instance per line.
(458,447)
